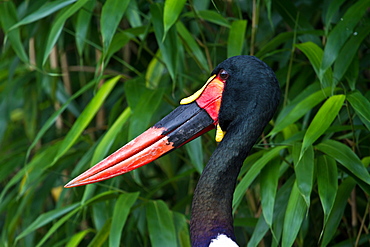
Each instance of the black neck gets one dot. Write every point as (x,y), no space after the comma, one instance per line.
(212,202)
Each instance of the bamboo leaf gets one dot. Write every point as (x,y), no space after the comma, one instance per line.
(252,174)
(58,26)
(102,235)
(86,116)
(314,53)
(323,119)
(269,181)
(46,218)
(294,216)
(160,224)
(360,104)
(168,44)
(8,18)
(192,45)
(297,110)
(172,10)
(236,39)
(105,144)
(78,237)
(195,152)
(344,155)
(82,25)
(336,213)
(327,183)
(304,170)
(341,32)
(120,213)
(349,51)
(111,15)
(45,10)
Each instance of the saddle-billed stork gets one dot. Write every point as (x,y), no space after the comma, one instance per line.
(239,99)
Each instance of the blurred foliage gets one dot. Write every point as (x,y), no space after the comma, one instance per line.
(78,79)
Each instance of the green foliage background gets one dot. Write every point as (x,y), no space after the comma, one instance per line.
(78,79)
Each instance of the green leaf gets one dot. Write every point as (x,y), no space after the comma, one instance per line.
(294,216)
(51,120)
(8,18)
(143,103)
(86,116)
(337,211)
(332,10)
(120,213)
(349,51)
(106,143)
(304,169)
(112,13)
(344,155)
(269,181)
(298,109)
(327,183)
(322,120)
(83,24)
(58,26)
(56,225)
(45,10)
(195,152)
(160,224)
(213,17)
(192,46)
(168,44)
(172,10)
(102,235)
(361,105)
(46,218)
(154,72)
(182,231)
(341,32)
(314,53)
(78,237)
(236,39)
(252,174)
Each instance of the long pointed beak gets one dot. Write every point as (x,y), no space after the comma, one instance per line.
(197,115)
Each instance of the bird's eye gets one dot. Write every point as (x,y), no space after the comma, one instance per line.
(223,74)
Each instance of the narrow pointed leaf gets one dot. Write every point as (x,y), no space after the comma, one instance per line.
(344,155)
(327,183)
(172,10)
(112,13)
(45,10)
(314,53)
(8,18)
(78,237)
(105,144)
(341,32)
(236,39)
(191,44)
(294,216)
(160,224)
(46,218)
(361,105)
(323,119)
(337,211)
(349,51)
(299,110)
(304,170)
(86,116)
(58,26)
(121,210)
(269,181)
(252,174)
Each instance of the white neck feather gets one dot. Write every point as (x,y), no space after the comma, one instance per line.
(222,241)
